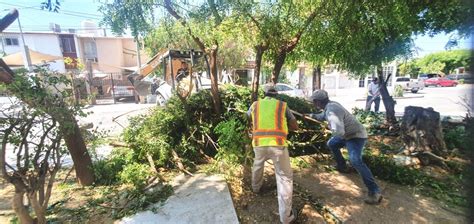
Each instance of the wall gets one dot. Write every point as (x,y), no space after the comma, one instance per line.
(113,54)
(109,54)
(41,42)
(130,53)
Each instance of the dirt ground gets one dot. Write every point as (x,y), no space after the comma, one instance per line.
(320,196)
(6,194)
(66,194)
(342,195)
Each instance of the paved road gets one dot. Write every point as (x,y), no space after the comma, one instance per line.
(113,117)
(446,100)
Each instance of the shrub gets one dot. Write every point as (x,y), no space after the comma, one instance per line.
(107,171)
(232,140)
(455,137)
(370,120)
(398,91)
(384,167)
(136,174)
(461,81)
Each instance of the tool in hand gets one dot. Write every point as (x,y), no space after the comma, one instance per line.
(306,117)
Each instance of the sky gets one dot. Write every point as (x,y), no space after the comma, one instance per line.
(72,12)
(32,18)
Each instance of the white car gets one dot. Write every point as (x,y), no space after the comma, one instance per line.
(120,92)
(286,89)
(408,84)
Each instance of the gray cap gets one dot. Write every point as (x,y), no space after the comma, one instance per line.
(270,89)
(319,95)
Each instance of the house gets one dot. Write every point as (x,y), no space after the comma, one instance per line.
(115,55)
(43,42)
(110,58)
(337,82)
(107,54)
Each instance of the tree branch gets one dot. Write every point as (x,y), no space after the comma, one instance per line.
(214,11)
(6,74)
(388,77)
(3,162)
(294,41)
(183,22)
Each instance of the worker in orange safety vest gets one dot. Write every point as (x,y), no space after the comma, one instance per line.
(271,121)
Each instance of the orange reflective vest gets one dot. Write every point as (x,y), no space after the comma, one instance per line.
(269,123)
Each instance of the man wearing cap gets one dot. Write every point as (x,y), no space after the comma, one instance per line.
(271,121)
(346,131)
(373,95)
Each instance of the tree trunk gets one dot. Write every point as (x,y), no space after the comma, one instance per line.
(19,208)
(214,79)
(279,61)
(79,154)
(317,78)
(388,101)
(422,134)
(260,49)
(72,136)
(40,212)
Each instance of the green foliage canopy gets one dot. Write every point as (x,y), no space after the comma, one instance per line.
(445,61)
(137,15)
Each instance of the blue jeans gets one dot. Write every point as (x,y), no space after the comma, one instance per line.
(355,147)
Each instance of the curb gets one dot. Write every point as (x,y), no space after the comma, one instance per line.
(396,98)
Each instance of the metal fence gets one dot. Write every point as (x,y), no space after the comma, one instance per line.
(111,87)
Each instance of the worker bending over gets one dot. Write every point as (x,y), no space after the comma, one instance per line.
(271,121)
(346,131)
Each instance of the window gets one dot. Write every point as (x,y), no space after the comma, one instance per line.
(402,80)
(90,50)
(282,88)
(362,82)
(67,45)
(11,41)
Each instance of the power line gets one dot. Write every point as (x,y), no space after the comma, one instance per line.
(62,10)
(65,12)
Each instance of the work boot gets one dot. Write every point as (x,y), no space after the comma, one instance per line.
(373,199)
(293,215)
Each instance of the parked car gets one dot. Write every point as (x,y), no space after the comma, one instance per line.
(408,84)
(440,82)
(423,77)
(286,89)
(466,77)
(123,92)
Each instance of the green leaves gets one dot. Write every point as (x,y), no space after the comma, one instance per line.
(136,15)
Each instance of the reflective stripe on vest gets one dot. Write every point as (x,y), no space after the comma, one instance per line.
(269,123)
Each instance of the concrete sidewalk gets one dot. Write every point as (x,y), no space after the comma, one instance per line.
(198,199)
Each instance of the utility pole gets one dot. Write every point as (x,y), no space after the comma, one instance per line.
(26,51)
(139,61)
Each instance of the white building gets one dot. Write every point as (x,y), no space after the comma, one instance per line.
(337,82)
(43,42)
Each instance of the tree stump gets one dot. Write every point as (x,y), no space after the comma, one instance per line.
(422,135)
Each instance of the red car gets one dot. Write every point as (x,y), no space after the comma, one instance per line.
(440,82)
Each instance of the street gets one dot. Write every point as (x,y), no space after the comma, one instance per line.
(113,117)
(448,101)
